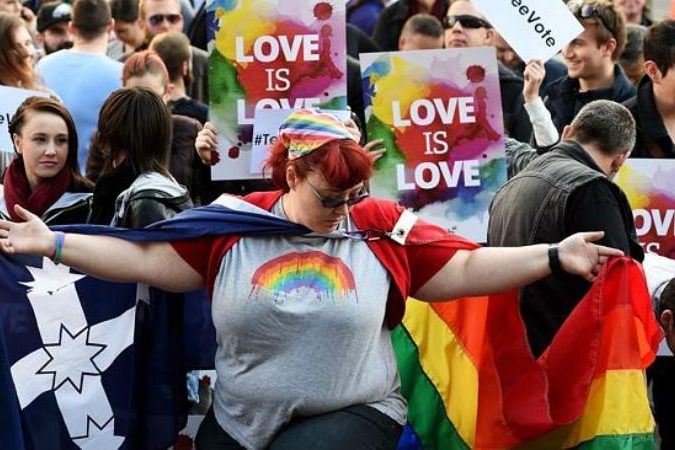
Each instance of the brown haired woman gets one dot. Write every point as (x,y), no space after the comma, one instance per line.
(17,53)
(135,188)
(303,323)
(17,62)
(44,176)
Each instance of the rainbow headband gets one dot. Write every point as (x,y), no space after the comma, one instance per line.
(306,130)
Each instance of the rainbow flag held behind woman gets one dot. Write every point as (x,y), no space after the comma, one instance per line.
(472,382)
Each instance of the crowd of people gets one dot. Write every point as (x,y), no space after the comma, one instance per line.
(122,138)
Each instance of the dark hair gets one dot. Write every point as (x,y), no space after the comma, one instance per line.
(608,21)
(124,10)
(135,122)
(143,63)
(607,124)
(424,24)
(91,17)
(667,300)
(14,72)
(659,45)
(632,52)
(174,49)
(342,163)
(50,106)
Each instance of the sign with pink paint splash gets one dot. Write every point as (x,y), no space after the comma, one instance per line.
(281,54)
(439,113)
(648,183)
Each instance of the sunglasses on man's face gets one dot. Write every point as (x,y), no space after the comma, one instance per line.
(466,21)
(334,202)
(158,19)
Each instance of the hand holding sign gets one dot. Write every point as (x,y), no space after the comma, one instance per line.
(534,76)
(535,29)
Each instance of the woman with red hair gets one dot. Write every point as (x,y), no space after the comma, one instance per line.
(304,356)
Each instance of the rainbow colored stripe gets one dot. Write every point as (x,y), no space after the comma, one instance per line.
(472,383)
(306,130)
(325,275)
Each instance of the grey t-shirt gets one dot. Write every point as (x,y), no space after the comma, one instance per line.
(300,330)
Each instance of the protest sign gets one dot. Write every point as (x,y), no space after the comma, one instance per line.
(648,183)
(266,130)
(439,113)
(270,54)
(535,29)
(11,99)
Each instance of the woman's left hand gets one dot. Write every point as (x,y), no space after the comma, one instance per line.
(580,256)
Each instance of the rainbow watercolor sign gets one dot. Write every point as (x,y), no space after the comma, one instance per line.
(648,183)
(439,113)
(279,54)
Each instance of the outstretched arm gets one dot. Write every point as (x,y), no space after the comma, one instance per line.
(493,269)
(156,263)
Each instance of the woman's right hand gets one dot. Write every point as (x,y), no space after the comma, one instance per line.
(206,144)
(31,237)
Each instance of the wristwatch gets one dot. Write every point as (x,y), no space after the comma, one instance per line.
(554,260)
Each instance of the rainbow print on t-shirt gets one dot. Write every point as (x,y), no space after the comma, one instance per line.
(327,276)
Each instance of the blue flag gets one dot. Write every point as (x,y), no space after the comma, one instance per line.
(86,363)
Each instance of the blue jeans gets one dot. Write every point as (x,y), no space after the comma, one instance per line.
(358,427)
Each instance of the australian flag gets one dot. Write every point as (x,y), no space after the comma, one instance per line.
(86,363)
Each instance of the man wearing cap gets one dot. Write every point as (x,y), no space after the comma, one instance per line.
(84,76)
(52,26)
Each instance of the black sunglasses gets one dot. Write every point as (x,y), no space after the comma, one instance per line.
(157,19)
(333,202)
(466,21)
(590,12)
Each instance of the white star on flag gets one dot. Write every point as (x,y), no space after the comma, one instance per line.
(50,278)
(99,437)
(71,358)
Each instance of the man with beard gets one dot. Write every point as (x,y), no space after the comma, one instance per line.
(52,26)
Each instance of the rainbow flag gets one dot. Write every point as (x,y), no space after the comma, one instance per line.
(472,382)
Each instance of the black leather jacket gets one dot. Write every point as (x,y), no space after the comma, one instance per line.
(150,198)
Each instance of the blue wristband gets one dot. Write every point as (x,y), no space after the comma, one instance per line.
(58,251)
